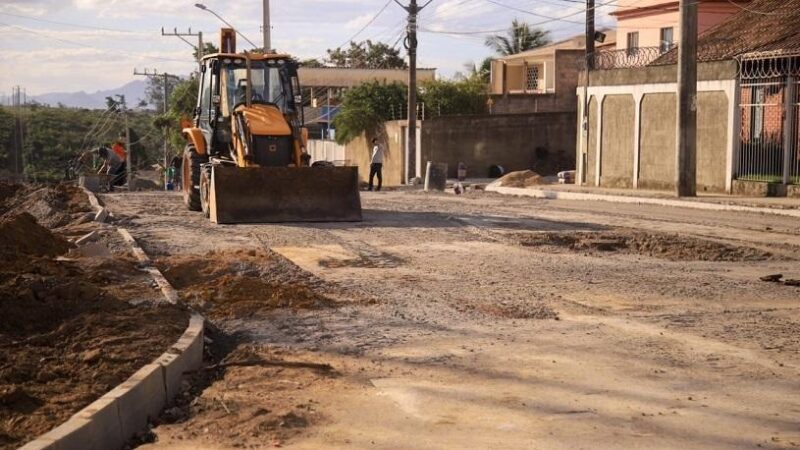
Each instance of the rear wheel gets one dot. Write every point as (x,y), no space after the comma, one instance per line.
(205,191)
(191,178)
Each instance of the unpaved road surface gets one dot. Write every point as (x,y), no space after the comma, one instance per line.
(489,322)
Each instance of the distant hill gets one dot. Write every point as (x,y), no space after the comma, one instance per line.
(133,92)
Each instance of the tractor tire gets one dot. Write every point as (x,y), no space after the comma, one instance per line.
(205,191)
(191,178)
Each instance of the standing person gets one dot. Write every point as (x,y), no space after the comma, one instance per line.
(376,164)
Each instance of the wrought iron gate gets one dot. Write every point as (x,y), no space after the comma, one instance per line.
(769,149)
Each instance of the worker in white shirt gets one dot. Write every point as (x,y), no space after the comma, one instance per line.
(376,164)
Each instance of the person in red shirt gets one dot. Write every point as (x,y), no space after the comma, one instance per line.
(119,149)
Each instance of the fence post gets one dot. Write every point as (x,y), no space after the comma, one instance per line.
(788,128)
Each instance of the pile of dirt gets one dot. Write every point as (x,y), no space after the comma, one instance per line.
(656,245)
(66,337)
(521,179)
(21,235)
(260,397)
(243,283)
(53,206)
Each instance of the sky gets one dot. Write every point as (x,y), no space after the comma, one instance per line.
(90,45)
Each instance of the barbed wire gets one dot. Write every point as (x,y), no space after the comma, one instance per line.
(626,59)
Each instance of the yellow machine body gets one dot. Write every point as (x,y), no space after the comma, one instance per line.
(246,161)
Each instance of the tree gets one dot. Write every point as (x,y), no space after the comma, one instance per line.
(154,92)
(465,96)
(520,37)
(482,72)
(208,49)
(365,107)
(367,55)
(311,62)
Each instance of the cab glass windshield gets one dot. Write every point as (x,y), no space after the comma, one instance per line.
(268,79)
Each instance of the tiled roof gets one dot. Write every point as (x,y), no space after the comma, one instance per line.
(761,26)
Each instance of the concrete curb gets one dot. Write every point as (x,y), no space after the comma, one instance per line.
(101,213)
(113,419)
(560,195)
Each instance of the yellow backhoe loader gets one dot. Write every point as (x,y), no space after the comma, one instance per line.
(246,160)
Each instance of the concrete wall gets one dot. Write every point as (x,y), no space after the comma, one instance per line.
(591,168)
(543,142)
(658,141)
(346,77)
(710,71)
(652,164)
(712,127)
(616,161)
(358,152)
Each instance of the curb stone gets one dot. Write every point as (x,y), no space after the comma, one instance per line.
(560,195)
(113,419)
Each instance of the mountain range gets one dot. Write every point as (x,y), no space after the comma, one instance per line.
(133,92)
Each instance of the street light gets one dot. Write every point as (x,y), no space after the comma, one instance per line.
(206,8)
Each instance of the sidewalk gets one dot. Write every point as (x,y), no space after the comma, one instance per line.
(715,202)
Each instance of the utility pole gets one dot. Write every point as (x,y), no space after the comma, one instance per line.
(266,27)
(686,164)
(589,67)
(182,36)
(128,167)
(165,80)
(590,35)
(17,103)
(411,45)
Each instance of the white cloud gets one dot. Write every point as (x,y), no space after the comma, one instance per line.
(358,22)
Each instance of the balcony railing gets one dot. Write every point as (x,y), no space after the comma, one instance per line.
(626,59)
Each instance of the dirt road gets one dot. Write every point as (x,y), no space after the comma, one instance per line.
(489,322)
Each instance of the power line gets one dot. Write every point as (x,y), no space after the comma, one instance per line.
(375,17)
(750,10)
(514,8)
(544,22)
(114,52)
(69,24)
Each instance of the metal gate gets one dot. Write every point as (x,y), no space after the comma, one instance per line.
(769,149)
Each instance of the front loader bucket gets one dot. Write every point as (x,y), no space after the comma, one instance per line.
(284,194)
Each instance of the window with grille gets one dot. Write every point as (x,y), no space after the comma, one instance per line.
(667,39)
(633,42)
(532,79)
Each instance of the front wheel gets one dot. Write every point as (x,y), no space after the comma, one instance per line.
(191,178)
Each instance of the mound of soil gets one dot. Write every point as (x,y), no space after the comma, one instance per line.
(65,340)
(521,179)
(656,245)
(243,283)
(21,235)
(52,206)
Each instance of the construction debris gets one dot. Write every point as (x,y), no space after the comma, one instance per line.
(775,278)
(521,179)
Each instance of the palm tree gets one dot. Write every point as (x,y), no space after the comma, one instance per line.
(520,37)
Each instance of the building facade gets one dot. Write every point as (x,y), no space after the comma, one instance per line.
(748,111)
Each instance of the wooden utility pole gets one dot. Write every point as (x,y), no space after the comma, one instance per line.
(584,162)
(189,33)
(589,35)
(129,173)
(411,45)
(166,77)
(686,165)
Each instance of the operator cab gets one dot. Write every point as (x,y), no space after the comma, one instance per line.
(223,95)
